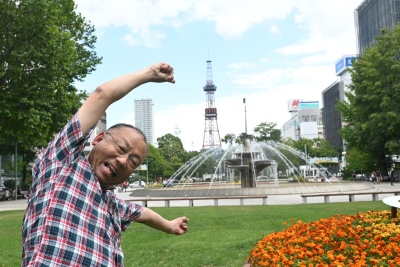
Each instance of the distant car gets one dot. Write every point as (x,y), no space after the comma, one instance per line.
(136,184)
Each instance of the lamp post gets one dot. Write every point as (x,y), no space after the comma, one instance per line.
(147,171)
(305,149)
(245,115)
(16,169)
(344,163)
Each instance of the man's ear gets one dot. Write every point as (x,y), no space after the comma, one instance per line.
(98,138)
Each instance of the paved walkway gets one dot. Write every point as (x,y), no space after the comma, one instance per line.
(281,195)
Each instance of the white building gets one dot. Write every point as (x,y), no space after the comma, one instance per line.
(305,121)
(100,127)
(144,118)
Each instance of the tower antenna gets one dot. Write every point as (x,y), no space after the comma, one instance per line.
(211,137)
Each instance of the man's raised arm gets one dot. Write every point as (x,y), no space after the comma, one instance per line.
(106,94)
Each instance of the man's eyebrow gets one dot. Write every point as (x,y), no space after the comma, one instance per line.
(128,147)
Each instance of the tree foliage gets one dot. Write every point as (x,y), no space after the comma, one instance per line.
(45,47)
(372,115)
(266,131)
(231,139)
(171,146)
(156,163)
(171,149)
(359,161)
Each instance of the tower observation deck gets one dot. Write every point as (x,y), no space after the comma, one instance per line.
(211,133)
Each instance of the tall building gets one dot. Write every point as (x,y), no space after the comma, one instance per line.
(144,118)
(372,16)
(331,117)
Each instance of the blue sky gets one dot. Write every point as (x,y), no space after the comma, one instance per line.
(266,51)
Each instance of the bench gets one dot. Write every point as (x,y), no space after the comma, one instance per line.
(21,196)
(351,195)
(191,200)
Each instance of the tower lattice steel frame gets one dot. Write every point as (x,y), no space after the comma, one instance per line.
(211,133)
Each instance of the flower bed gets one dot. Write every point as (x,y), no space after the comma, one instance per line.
(365,239)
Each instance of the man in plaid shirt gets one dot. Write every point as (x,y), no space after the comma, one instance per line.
(73,217)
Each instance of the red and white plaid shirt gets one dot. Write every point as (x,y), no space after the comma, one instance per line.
(70,220)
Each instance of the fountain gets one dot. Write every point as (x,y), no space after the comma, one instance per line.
(247,162)
(239,170)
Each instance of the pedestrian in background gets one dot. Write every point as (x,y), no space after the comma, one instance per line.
(392,176)
(378,176)
(373,177)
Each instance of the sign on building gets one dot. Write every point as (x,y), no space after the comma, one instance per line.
(343,63)
(293,104)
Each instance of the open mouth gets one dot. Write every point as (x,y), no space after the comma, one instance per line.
(110,170)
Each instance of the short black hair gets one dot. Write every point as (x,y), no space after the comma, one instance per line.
(126,125)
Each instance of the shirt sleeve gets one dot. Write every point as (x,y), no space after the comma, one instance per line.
(67,141)
(129,212)
(65,147)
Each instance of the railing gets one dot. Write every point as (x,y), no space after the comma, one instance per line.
(351,195)
(191,200)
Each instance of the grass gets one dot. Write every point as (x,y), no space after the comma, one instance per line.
(218,236)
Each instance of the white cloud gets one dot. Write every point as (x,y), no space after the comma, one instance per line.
(274,29)
(231,17)
(328,25)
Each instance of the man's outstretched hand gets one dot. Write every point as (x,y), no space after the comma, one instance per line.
(179,225)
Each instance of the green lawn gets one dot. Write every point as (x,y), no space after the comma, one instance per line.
(218,236)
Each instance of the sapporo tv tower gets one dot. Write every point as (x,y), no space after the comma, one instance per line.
(211,133)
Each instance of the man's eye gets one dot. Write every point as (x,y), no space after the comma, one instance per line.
(121,149)
(133,163)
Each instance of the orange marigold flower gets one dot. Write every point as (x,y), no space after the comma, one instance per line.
(364,239)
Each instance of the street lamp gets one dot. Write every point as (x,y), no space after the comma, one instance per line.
(147,171)
(16,169)
(305,149)
(344,159)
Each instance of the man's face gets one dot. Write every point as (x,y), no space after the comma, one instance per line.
(116,154)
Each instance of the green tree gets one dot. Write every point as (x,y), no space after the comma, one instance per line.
(314,147)
(206,167)
(322,148)
(304,145)
(46,46)
(359,161)
(229,139)
(191,154)
(156,163)
(174,164)
(266,131)
(371,113)
(171,146)
(293,158)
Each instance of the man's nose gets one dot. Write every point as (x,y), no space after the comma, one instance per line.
(123,160)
